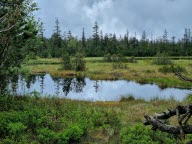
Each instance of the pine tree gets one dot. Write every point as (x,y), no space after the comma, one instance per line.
(56,40)
(83,39)
(57,34)
(96,34)
(143,37)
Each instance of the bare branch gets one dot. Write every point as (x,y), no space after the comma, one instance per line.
(183,114)
(166,128)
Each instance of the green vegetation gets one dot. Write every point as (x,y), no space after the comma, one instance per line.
(144,71)
(102,45)
(33,119)
(138,134)
(76,63)
(162,59)
(66,62)
(169,69)
(18,29)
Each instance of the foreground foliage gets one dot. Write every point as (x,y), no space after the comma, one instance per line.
(25,119)
(17,29)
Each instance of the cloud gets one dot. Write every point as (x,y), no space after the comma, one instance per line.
(114,16)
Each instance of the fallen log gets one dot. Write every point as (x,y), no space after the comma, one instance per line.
(166,128)
(183,114)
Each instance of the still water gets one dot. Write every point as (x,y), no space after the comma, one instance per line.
(92,90)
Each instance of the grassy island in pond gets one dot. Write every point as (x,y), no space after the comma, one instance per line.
(143,71)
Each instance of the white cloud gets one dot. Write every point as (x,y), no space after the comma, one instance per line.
(116,16)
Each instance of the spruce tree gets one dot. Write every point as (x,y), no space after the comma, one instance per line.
(83,39)
(96,35)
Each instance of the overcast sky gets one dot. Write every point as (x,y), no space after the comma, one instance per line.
(117,16)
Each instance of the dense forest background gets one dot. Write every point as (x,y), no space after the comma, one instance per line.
(100,44)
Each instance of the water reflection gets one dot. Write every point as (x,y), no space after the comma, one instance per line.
(69,84)
(90,90)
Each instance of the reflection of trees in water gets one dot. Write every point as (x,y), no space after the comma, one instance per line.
(67,85)
(73,84)
(57,82)
(42,78)
(96,86)
(79,84)
(30,79)
(13,82)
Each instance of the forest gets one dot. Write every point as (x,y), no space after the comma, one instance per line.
(99,44)
(102,88)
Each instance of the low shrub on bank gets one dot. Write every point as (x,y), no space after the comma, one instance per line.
(25,119)
(162,59)
(169,69)
(114,58)
(139,134)
(50,120)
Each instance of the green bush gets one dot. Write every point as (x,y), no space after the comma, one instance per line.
(139,134)
(107,58)
(46,135)
(119,65)
(16,130)
(114,58)
(72,134)
(30,56)
(168,69)
(162,59)
(132,60)
(78,63)
(66,61)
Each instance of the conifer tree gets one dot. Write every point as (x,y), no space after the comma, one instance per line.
(96,34)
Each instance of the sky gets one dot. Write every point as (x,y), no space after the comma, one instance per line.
(117,16)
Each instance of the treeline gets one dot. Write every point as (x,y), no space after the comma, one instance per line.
(100,44)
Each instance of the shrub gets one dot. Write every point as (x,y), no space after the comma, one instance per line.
(139,134)
(114,58)
(66,61)
(132,60)
(168,69)
(46,135)
(16,129)
(119,65)
(78,63)
(162,59)
(127,99)
(30,56)
(72,134)
(107,58)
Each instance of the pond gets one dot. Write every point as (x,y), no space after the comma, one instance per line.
(92,90)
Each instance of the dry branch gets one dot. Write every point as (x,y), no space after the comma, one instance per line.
(183,114)
(166,128)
